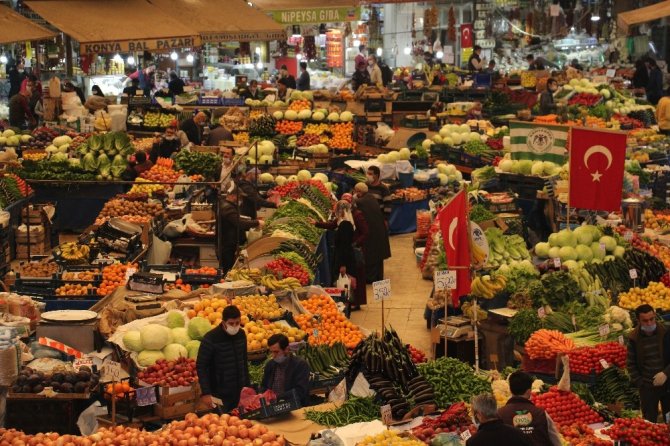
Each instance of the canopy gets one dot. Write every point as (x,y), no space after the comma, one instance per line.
(16,28)
(217,21)
(113,26)
(642,15)
(296,12)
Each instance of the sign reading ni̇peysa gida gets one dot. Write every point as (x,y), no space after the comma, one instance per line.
(316,15)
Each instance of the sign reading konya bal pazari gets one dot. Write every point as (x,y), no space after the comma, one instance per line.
(316,15)
(138,45)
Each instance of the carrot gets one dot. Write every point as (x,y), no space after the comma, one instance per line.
(546,344)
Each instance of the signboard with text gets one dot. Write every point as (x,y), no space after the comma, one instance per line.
(126,46)
(316,15)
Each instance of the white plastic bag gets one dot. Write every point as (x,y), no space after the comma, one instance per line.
(176,227)
(383,132)
(343,282)
(159,253)
(88,420)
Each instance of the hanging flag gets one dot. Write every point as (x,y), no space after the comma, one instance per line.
(543,142)
(455,235)
(596,169)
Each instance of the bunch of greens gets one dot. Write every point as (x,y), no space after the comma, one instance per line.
(199,163)
(479,213)
(483,174)
(524,323)
(294,209)
(256,372)
(476,147)
(298,227)
(555,289)
(53,170)
(600,111)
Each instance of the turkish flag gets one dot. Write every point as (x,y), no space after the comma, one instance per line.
(596,169)
(467,36)
(456,237)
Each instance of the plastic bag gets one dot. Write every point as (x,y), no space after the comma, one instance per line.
(88,420)
(343,282)
(339,393)
(383,133)
(176,227)
(159,252)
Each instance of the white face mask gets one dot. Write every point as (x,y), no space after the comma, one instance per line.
(232,330)
(371,178)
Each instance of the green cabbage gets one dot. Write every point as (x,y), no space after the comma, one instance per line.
(175,319)
(74,162)
(95,142)
(180,336)
(132,340)
(104,162)
(154,336)
(89,162)
(192,347)
(149,357)
(119,165)
(59,157)
(198,328)
(175,351)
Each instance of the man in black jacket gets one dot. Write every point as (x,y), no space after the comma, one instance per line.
(222,361)
(232,228)
(491,429)
(193,127)
(285,372)
(251,199)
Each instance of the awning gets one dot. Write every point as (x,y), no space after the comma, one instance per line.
(113,26)
(643,15)
(297,12)
(218,21)
(16,28)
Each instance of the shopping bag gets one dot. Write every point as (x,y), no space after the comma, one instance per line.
(343,282)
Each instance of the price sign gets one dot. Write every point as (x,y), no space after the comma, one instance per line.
(129,273)
(111,371)
(633,273)
(628,236)
(387,417)
(83,361)
(611,72)
(621,340)
(604,364)
(541,313)
(574,322)
(146,396)
(445,280)
(465,435)
(604,330)
(381,289)
(557,262)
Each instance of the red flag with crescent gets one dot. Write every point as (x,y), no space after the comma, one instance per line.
(596,169)
(467,36)
(455,235)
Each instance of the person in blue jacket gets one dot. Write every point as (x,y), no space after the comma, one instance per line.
(286,371)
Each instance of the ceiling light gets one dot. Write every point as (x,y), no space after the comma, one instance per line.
(259,65)
(595,17)
(131,60)
(173,55)
(250,4)
(439,54)
(117,58)
(407,50)
(298,56)
(379,52)
(190,58)
(357,42)
(3,59)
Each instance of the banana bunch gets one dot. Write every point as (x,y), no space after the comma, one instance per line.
(468,311)
(272,283)
(590,286)
(487,287)
(251,275)
(477,254)
(74,251)
(292,142)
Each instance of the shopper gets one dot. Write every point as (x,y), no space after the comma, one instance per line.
(251,199)
(519,412)
(490,428)
(227,168)
(97,91)
(286,79)
(283,92)
(35,102)
(232,227)
(375,72)
(193,127)
(539,63)
(378,190)
(222,364)
(648,362)
(351,234)
(303,79)
(131,90)
(360,77)
(166,145)
(547,104)
(252,91)
(576,65)
(641,75)
(655,86)
(20,114)
(377,247)
(69,87)
(663,114)
(285,372)
(218,134)
(476,63)
(176,85)
(362,55)
(139,165)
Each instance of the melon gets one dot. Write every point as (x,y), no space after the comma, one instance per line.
(333,117)
(346,116)
(318,116)
(291,115)
(304,114)
(278,115)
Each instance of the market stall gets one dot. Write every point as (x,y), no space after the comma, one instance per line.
(17,28)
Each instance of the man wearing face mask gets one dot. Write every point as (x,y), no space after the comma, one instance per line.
(490,428)
(222,361)
(377,247)
(547,104)
(231,229)
(286,371)
(378,190)
(165,146)
(648,362)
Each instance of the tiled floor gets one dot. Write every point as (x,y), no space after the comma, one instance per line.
(409,293)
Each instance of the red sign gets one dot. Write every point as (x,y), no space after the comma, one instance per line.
(596,169)
(467,36)
(456,237)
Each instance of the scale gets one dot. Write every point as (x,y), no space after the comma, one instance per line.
(457,327)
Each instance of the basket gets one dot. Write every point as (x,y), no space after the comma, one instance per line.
(287,403)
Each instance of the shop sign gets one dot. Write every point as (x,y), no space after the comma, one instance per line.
(486,43)
(126,46)
(243,36)
(316,15)
(480,24)
(485,7)
(480,35)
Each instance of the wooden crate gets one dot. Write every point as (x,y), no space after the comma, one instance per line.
(177,402)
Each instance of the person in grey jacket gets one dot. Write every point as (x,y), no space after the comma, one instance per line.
(222,364)
(286,371)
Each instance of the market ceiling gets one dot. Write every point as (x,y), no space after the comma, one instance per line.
(16,28)
(643,15)
(114,26)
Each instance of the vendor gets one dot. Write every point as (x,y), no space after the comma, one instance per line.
(167,145)
(218,134)
(283,92)
(303,80)
(360,77)
(232,227)
(547,104)
(176,85)
(476,63)
(252,91)
(286,371)
(131,90)
(193,127)
(286,78)
(251,199)
(655,85)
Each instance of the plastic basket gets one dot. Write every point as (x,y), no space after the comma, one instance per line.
(206,100)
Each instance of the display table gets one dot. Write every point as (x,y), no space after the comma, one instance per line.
(403,216)
(34,413)
(294,427)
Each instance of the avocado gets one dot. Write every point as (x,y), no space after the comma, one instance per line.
(66,388)
(83,375)
(38,388)
(34,379)
(81,387)
(70,377)
(55,385)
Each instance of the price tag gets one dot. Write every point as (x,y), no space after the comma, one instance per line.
(445,280)
(387,417)
(465,435)
(262,289)
(610,73)
(83,361)
(129,273)
(628,236)
(541,313)
(111,371)
(381,289)
(146,396)
(621,340)
(604,330)
(602,247)
(604,364)
(574,322)
(557,262)
(633,273)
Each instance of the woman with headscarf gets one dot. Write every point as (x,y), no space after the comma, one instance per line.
(351,232)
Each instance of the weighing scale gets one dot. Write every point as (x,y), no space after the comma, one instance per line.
(457,327)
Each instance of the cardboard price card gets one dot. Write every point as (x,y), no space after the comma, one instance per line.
(445,280)
(111,371)
(381,289)
(146,396)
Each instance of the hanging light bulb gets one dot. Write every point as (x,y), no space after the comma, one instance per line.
(298,56)
(174,56)
(130,60)
(259,65)
(379,52)
(407,50)
(117,58)
(439,54)
(190,58)
(3,59)
(595,17)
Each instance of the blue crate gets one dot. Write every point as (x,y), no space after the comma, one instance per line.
(209,101)
(232,101)
(406,179)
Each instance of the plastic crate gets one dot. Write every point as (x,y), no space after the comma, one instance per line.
(232,101)
(287,403)
(524,185)
(206,100)
(416,123)
(406,179)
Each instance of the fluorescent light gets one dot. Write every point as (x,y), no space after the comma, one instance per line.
(174,56)
(250,4)
(407,50)
(131,60)
(117,58)
(595,18)
(439,54)
(259,65)
(3,59)
(190,58)
(357,42)
(257,50)
(379,52)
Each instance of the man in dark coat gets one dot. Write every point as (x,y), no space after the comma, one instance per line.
(286,371)
(377,246)
(251,199)
(222,364)
(491,429)
(521,413)
(232,228)
(193,127)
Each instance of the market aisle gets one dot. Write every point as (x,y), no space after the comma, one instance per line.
(409,293)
